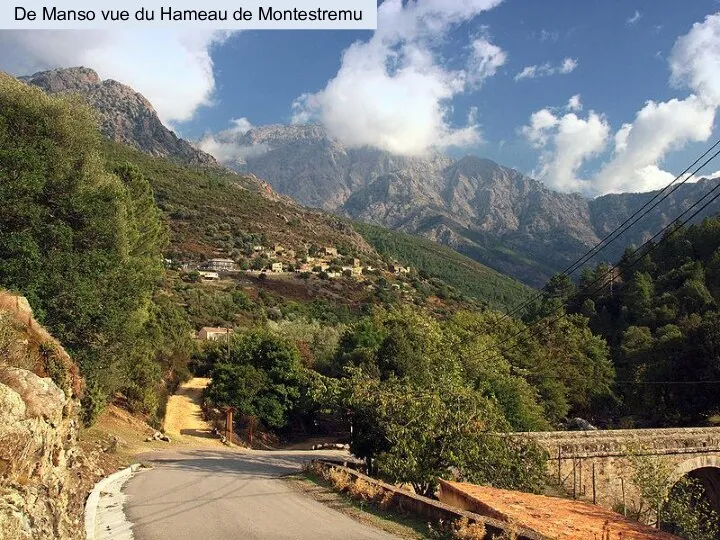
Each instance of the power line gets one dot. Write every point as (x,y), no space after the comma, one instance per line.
(623,227)
(653,247)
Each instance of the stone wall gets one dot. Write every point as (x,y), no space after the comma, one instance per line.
(436,511)
(594,465)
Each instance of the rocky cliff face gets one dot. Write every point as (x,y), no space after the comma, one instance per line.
(313,168)
(125,115)
(44,477)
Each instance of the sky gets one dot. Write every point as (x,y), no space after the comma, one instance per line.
(592,97)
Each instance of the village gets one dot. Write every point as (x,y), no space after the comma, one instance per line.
(325,263)
(279,262)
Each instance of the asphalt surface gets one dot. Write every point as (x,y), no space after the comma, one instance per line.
(218,495)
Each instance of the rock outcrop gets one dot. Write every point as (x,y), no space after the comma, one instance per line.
(43,481)
(125,115)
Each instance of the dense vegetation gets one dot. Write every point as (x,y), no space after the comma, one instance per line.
(466,275)
(659,314)
(84,245)
(427,396)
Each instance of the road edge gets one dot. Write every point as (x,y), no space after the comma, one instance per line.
(93,500)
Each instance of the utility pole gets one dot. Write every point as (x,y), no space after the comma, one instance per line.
(227,339)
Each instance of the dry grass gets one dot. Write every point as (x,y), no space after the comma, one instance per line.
(374,496)
(27,345)
(323,491)
(464,529)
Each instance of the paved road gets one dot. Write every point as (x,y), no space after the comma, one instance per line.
(217,495)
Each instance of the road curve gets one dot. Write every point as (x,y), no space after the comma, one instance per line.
(224,495)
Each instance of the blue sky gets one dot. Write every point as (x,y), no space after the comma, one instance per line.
(444,74)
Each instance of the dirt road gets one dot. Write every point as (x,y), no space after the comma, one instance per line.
(183,417)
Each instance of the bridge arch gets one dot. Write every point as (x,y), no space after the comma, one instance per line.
(705,469)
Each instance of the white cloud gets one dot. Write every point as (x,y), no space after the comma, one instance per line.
(568,65)
(485,60)
(393,92)
(566,142)
(657,129)
(574,103)
(634,19)
(695,60)
(640,147)
(172,68)
(228,145)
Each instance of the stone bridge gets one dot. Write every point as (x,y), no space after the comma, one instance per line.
(594,465)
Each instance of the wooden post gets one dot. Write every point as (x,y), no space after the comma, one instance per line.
(593,481)
(559,466)
(574,479)
(229,424)
(622,486)
(581,488)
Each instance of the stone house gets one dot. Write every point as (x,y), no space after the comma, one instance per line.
(220,265)
(210,334)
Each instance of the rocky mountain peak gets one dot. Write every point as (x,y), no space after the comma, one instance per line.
(125,115)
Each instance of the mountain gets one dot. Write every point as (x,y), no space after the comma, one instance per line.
(125,116)
(213,211)
(493,214)
(316,170)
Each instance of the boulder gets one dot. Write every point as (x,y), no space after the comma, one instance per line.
(12,407)
(42,397)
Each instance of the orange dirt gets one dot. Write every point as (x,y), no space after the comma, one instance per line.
(184,420)
(557,518)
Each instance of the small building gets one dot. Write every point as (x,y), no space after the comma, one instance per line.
(397,269)
(211,334)
(258,248)
(356,263)
(209,276)
(330,251)
(356,271)
(220,265)
(277,248)
(277,268)
(304,268)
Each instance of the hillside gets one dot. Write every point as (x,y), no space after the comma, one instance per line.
(466,275)
(215,213)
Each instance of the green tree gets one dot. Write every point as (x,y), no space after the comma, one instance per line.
(82,244)
(262,376)
(411,435)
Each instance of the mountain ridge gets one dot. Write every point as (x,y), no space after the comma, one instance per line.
(125,115)
(494,214)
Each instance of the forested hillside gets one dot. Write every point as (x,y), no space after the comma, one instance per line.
(84,244)
(658,311)
(468,276)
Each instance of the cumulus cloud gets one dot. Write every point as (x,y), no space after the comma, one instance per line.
(229,146)
(635,162)
(695,60)
(393,92)
(568,65)
(172,68)
(566,142)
